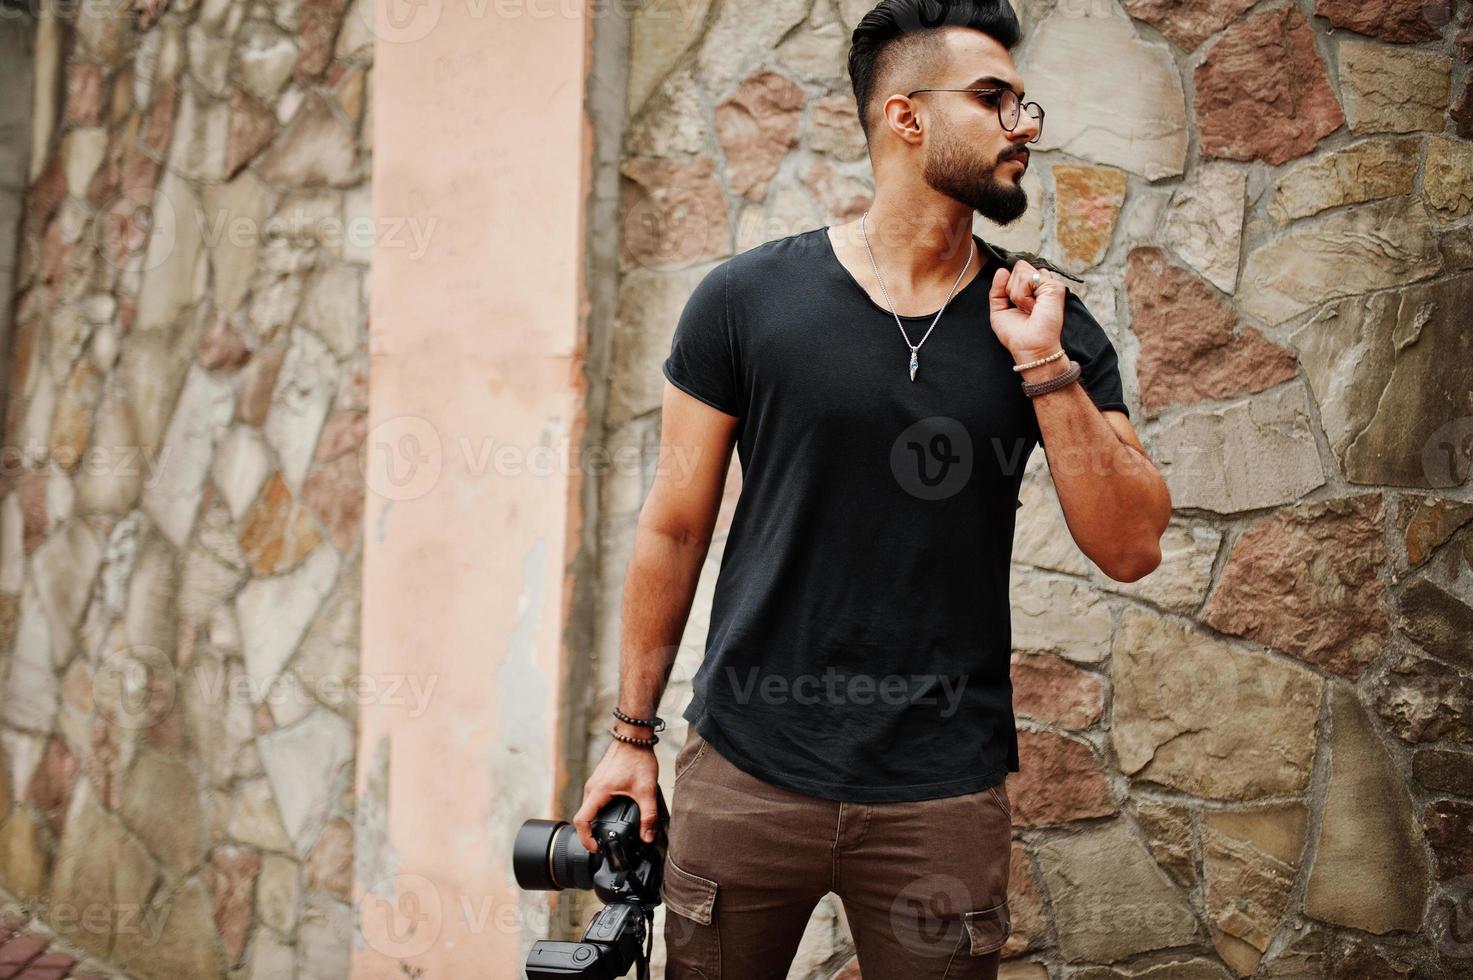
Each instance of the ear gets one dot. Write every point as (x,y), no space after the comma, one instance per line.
(899,114)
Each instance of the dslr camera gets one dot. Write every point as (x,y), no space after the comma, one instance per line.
(625,873)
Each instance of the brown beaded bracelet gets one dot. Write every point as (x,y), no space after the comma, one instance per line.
(655,724)
(632,740)
(1035,388)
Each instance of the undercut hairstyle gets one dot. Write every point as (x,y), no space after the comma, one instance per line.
(902,39)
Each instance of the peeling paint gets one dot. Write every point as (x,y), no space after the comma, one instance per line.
(383,519)
(375,861)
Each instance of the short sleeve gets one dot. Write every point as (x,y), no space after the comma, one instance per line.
(1085,341)
(702,360)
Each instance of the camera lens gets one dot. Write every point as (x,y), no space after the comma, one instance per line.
(548,856)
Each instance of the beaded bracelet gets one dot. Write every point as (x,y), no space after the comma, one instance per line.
(1035,388)
(632,740)
(655,724)
(1042,360)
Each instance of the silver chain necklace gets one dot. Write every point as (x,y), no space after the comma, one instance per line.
(914,359)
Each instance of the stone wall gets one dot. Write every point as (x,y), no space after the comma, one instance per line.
(1254,761)
(181,495)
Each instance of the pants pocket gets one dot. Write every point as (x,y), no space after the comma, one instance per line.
(692,932)
(690,753)
(999,793)
(988,929)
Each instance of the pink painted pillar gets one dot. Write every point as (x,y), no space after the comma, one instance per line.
(480,173)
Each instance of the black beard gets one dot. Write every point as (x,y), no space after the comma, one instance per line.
(952,171)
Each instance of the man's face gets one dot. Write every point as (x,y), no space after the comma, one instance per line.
(969,156)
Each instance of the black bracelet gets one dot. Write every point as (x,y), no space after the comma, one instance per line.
(632,740)
(1061,380)
(655,724)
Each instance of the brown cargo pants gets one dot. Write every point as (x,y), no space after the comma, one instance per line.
(923,884)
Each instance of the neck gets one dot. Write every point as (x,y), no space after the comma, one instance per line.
(917,248)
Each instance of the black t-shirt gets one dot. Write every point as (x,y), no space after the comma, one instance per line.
(860,630)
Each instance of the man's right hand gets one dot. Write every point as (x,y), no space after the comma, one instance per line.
(625,770)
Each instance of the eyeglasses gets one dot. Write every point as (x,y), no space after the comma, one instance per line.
(1008,107)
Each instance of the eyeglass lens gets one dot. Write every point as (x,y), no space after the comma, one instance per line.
(1008,111)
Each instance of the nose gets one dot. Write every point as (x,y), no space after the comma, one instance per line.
(1027,128)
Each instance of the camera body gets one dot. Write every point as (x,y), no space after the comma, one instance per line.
(625,873)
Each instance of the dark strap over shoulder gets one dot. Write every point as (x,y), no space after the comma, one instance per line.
(1008,259)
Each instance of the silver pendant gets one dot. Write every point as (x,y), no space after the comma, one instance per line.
(914,363)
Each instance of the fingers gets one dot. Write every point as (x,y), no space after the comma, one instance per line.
(643,793)
(997,296)
(583,819)
(1016,289)
(1020,286)
(647,815)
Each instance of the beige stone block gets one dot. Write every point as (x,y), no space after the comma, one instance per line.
(1390,89)
(1370,170)
(1206,716)
(1370,866)
(1255,452)
(1132,115)
(1110,899)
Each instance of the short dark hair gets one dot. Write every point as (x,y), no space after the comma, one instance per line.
(906,34)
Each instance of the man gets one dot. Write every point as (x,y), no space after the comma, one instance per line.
(851,725)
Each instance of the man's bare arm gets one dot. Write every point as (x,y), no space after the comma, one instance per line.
(671,541)
(1114,499)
